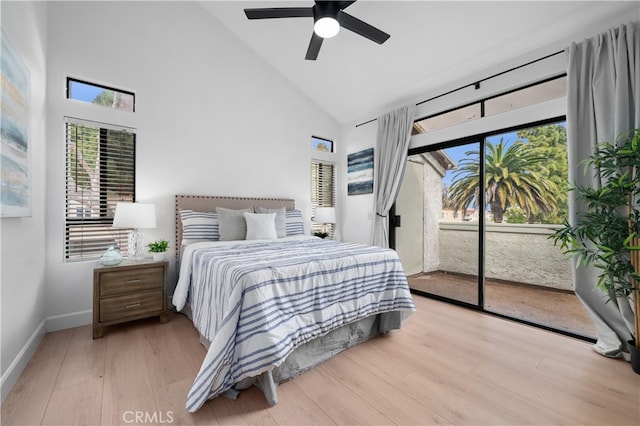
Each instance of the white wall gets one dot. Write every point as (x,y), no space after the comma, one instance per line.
(22,285)
(355,209)
(211,117)
(354,212)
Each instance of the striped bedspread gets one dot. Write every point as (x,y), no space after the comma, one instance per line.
(257,301)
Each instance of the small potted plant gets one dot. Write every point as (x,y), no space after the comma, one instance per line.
(158,248)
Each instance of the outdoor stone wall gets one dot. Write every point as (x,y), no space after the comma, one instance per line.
(432,211)
(521,253)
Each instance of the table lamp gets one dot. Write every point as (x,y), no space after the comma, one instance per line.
(325,215)
(136,216)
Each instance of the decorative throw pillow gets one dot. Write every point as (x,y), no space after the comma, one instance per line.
(199,226)
(232,223)
(281,228)
(261,226)
(293,223)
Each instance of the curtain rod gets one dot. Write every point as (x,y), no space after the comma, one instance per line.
(477,83)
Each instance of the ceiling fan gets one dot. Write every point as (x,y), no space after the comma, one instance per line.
(328,17)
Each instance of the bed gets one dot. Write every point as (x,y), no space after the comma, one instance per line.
(279,302)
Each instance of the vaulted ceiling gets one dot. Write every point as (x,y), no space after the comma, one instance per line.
(433,44)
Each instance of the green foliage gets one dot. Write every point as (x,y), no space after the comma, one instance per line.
(86,162)
(511,180)
(120,146)
(602,235)
(158,246)
(84,155)
(105,98)
(322,147)
(515,215)
(550,142)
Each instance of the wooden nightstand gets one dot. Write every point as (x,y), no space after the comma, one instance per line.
(127,292)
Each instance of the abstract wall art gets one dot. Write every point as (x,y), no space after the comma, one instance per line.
(15,154)
(360,172)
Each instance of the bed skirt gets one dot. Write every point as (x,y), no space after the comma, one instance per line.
(314,352)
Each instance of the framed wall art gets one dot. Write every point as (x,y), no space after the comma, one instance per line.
(360,172)
(15,151)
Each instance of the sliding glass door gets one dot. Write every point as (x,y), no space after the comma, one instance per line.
(527,277)
(438,237)
(475,221)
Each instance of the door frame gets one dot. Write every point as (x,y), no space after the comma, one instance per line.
(481,140)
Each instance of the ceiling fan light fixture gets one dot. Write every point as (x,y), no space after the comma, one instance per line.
(326,27)
(328,17)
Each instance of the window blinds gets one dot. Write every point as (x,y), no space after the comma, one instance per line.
(100,171)
(323,192)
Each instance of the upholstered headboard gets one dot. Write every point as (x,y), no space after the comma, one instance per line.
(208,203)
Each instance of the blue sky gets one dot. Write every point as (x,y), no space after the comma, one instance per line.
(84,92)
(457,153)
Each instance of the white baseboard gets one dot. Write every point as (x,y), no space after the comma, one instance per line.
(49,324)
(64,321)
(10,377)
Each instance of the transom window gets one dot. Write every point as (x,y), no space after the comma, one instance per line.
(98,94)
(530,95)
(321,144)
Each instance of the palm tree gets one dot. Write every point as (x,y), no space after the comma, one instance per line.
(510,181)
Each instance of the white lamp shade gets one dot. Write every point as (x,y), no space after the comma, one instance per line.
(325,215)
(135,215)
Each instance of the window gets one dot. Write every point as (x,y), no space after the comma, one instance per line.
(446,119)
(530,95)
(100,171)
(100,95)
(323,193)
(540,92)
(473,210)
(321,144)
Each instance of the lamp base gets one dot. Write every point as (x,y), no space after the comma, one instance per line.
(326,230)
(136,245)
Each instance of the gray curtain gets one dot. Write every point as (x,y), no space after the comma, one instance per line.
(390,158)
(603,102)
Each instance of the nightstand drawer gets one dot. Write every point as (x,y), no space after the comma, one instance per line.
(127,292)
(131,305)
(118,282)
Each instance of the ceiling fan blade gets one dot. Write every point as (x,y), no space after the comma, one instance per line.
(345,4)
(362,28)
(314,47)
(279,12)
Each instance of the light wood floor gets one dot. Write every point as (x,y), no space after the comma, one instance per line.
(448,365)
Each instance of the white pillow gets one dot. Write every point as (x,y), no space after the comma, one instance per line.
(261,226)
(281,228)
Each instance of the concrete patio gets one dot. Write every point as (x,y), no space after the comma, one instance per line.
(555,308)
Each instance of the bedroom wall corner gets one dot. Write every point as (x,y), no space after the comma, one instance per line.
(212,118)
(22,252)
